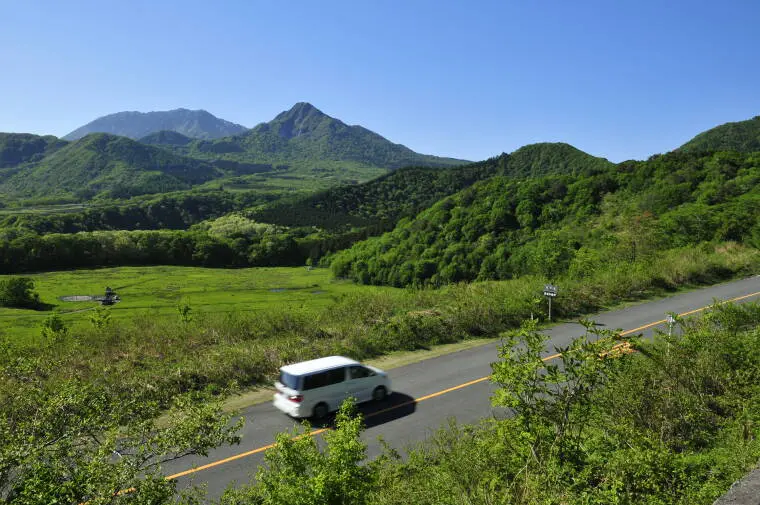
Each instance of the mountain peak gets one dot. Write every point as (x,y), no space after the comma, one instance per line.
(301,119)
(300,110)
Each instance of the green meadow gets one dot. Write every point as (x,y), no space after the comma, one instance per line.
(156,292)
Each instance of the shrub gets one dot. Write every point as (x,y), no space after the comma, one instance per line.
(18,292)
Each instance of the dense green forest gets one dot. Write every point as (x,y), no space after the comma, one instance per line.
(20,148)
(500,227)
(505,227)
(173,211)
(407,191)
(230,241)
(742,136)
(313,225)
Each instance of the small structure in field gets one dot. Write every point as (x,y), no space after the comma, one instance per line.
(109,298)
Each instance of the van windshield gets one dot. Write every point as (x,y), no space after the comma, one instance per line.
(289,380)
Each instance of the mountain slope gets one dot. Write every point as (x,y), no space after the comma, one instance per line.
(407,191)
(379,202)
(306,137)
(741,136)
(506,227)
(102,163)
(166,138)
(191,123)
(19,148)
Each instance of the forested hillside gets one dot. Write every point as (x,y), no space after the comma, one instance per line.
(503,227)
(174,211)
(166,137)
(20,148)
(110,165)
(407,191)
(547,158)
(307,227)
(382,200)
(742,136)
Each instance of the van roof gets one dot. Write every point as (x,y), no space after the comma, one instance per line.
(316,365)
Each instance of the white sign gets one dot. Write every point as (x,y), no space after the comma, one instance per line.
(550,290)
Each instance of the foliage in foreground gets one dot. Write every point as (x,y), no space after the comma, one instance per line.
(675,423)
(81,442)
(297,472)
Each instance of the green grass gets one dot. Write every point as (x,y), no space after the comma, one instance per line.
(246,323)
(156,291)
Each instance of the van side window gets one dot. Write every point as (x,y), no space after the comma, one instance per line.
(323,379)
(314,381)
(337,375)
(359,372)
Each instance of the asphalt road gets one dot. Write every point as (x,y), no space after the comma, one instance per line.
(427,393)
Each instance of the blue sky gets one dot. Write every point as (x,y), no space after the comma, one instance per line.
(470,79)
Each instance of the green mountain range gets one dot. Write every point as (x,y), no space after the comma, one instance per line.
(741,136)
(300,149)
(103,163)
(546,209)
(192,123)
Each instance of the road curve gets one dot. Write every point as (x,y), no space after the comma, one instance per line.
(429,392)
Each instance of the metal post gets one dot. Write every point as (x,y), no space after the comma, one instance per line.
(550,292)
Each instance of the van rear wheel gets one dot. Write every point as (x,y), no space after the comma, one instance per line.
(320,411)
(379,393)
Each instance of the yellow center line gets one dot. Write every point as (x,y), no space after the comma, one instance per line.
(432,395)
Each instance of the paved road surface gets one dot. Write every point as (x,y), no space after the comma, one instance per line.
(420,403)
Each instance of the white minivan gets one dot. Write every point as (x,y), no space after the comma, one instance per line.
(316,387)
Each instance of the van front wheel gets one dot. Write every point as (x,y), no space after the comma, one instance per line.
(320,411)
(379,393)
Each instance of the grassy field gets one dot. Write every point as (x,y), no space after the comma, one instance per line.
(157,291)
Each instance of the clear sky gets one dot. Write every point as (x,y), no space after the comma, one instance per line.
(620,79)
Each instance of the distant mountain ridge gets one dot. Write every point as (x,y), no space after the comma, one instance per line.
(741,136)
(197,124)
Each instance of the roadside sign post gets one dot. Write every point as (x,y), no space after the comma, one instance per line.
(671,320)
(550,292)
